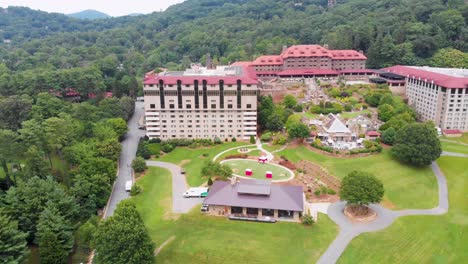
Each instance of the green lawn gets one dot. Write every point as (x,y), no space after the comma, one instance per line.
(422,239)
(454,147)
(207,239)
(258,169)
(462,139)
(405,186)
(271,147)
(154,148)
(192,160)
(354,114)
(254,152)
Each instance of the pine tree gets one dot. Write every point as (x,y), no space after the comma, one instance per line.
(13,245)
(123,238)
(54,236)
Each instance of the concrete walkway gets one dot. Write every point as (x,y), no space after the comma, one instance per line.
(454,154)
(179,186)
(385,217)
(269,156)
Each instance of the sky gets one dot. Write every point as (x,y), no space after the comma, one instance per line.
(110,7)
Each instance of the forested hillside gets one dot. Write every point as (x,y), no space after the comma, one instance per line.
(422,32)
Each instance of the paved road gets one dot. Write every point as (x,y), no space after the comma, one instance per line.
(385,217)
(179,186)
(129,148)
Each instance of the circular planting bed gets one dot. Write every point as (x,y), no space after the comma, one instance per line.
(358,216)
(259,170)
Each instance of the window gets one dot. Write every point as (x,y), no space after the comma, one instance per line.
(249,106)
(213,105)
(229,106)
(152,106)
(188,106)
(171,106)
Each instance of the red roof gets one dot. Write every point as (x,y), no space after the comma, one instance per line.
(267,72)
(308,72)
(440,79)
(242,63)
(319,51)
(373,134)
(268,60)
(248,77)
(452,132)
(356,71)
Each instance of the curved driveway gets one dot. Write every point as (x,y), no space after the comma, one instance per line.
(385,217)
(179,186)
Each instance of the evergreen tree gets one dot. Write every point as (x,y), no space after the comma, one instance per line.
(13,245)
(123,238)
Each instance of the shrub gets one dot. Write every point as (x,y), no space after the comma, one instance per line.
(139,164)
(136,189)
(205,155)
(143,150)
(307,220)
(252,140)
(321,147)
(279,139)
(317,192)
(237,156)
(266,136)
(348,107)
(166,147)
(155,140)
(210,181)
(331,191)
(217,140)
(298,108)
(233,139)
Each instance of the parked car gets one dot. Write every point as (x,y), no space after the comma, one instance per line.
(182,171)
(204,208)
(142,127)
(128,186)
(196,192)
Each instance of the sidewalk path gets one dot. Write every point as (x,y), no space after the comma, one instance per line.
(454,154)
(269,156)
(179,186)
(385,217)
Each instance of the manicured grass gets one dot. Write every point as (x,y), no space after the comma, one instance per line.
(259,169)
(254,152)
(192,160)
(207,239)
(462,139)
(270,147)
(405,186)
(154,148)
(354,114)
(454,147)
(422,239)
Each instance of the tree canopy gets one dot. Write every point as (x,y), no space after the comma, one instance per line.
(361,188)
(417,144)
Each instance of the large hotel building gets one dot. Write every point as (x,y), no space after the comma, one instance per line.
(437,94)
(201,103)
(307,61)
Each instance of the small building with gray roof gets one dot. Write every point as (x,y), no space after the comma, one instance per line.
(257,199)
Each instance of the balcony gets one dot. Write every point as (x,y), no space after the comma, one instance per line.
(249,123)
(250,133)
(250,118)
(153,129)
(152,118)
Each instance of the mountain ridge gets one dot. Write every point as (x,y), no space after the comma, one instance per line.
(89,14)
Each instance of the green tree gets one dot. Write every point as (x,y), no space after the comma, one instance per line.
(54,235)
(9,151)
(388,136)
(123,238)
(109,148)
(118,125)
(359,189)
(26,202)
(139,164)
(13,111)
(13,244)
(35,165)
(385,112)
(275,122)
(289,101)
(216,169)
(417,144)
(450,58)
(91,192)
(299,131)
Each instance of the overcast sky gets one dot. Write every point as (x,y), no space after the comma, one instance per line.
(110,7)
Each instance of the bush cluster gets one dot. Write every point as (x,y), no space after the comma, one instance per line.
(321,147)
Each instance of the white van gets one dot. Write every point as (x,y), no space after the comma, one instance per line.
(196,192)
(128,186)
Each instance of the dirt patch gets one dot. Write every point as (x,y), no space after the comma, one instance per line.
(323,198)
(167,206)
(358,215)
(387,204)
(183,162)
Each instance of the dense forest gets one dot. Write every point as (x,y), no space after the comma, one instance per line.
(37,47)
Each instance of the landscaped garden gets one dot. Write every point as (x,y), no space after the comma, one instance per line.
(198,238)
(422,239)
(405,186)
(259,169)
(192,160)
